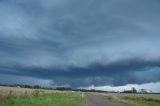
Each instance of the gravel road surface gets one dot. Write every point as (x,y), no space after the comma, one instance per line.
(94,100)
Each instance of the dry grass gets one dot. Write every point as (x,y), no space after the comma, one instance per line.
(39,97)
(121,95)
(134,99)
(21,91)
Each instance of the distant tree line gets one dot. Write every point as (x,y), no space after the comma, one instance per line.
(133,90)
(28,86)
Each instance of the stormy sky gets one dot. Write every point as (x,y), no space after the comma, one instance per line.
(80,43)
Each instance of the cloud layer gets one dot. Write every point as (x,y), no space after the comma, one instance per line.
(81,43)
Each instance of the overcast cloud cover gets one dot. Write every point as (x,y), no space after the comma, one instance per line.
(79,43)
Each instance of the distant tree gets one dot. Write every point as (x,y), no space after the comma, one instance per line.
(36,87)
(143,91)
(92,90)
(134,90)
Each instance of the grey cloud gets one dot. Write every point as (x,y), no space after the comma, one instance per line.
(120,73)
(77,40)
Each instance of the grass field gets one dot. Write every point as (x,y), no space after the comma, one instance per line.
(12,96)
(41,98)
(21,91)
(135,99)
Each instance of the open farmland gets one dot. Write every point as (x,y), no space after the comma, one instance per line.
(29,97)
(134,99)
(14,96)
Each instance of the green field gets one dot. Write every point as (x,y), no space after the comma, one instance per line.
(43,99)
(135,99)
(142,101)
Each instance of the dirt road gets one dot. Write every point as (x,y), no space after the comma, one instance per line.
(93,100)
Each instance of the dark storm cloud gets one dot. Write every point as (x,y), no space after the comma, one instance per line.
(80,42)
(120,73)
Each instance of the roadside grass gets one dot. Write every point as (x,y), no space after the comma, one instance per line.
(135,99)
(109,97)
(141,101)
(43,99)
